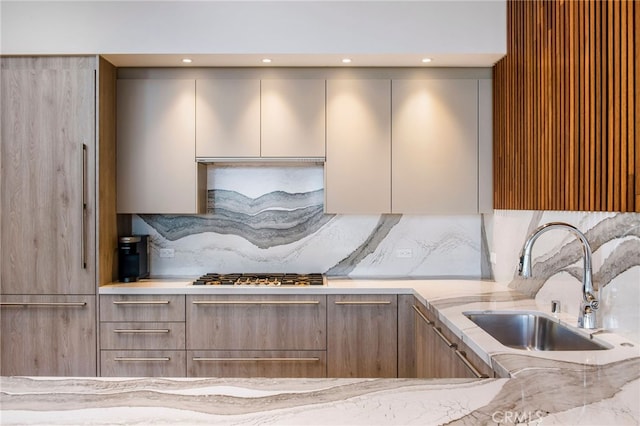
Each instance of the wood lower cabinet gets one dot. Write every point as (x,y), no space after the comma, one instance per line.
(256,363)
(142,335)
(256,322)
(142,308)
(256,335)
(439,353)
(164,363)
(48,336)
(362,335)
(406,336)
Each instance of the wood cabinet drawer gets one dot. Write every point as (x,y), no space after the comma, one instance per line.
(142,335)
(142,308)
(256,364)
(48,335)
(143,363)
(252,322)
(362,335)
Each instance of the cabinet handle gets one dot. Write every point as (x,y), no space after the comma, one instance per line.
(45,304)
(364,302)
(139,331)
(255,302)
(444,338)
(258,359)
(140,302)
(467,363)
(124,358)
(83,242)
(415,308)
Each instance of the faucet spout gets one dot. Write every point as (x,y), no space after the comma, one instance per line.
(589,304)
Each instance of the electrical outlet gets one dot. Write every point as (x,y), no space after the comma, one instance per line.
(167,252)
(493,257)
(405,253)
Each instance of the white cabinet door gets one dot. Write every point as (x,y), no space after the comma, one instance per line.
(156,168)
(228,118)
(293,118)
(435,146)
(358,162)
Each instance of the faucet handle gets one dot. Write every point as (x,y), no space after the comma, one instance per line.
(555,306)
(591,301)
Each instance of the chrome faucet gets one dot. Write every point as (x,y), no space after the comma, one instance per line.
(587,316)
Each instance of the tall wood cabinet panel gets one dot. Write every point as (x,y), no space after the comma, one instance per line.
(48,171)
(292,118)
(362,336)
(435,146)
(156,168)
(48,216)
(228,118)
(48,335)
(358,160)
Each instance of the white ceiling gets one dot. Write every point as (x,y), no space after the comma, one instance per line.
(464,33)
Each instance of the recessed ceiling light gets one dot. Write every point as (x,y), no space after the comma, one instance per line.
(187,60)
(426,60)
(266,61)
(346,61)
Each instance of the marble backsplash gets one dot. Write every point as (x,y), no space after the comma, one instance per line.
(558,263)
(271,219)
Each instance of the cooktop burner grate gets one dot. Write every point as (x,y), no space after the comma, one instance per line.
(266,280)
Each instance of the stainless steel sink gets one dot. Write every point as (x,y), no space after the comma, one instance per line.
(532,331)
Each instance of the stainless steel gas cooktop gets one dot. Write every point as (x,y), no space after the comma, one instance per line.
(268,279)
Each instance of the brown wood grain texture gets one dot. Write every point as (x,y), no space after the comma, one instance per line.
(634,123)
(565,107)
(106,183)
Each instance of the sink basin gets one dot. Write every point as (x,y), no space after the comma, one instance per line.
(532,331)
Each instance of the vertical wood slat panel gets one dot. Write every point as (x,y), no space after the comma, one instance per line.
(566,99)
(636,113)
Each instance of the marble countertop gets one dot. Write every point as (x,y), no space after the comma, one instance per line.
(562,387)
(448,298)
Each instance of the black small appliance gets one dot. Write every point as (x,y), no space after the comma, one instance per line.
(133,258)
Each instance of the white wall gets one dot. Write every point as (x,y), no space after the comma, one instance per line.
(250,27)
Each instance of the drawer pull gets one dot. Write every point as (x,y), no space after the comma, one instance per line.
(415,308)
(467,363)
(364,302)
(124,358)
(139,331)
(140,302)
(255,302)
(45,304)
(257,359)
(444,338)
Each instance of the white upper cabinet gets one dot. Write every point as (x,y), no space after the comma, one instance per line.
(358,162)
(293,118)
(156,169)
(434,146)
(247,118)
(227,118)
